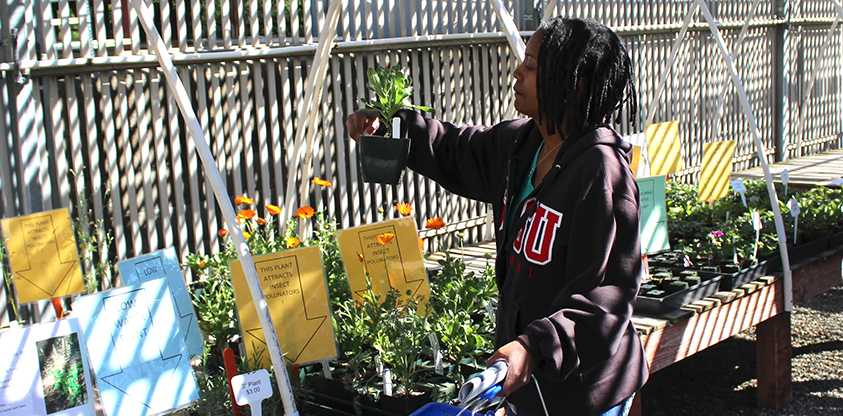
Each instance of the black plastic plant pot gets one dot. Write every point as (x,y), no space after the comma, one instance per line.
(670,302)
(733,279)
(383,159)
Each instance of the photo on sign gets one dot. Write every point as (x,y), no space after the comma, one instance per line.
(62,372)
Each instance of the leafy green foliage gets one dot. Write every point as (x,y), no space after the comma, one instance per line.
(392,91)
(67,382)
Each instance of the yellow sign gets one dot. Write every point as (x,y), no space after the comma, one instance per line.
(716,169)
(663,148)
(42,255)
(389,252)
(293,284)
(636,160)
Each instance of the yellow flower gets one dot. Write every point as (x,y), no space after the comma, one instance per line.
(247,214)
(222,232)
(247,235)
(322,182)
(385,238)
(202,264)
(243,200)
(404,208)
(434,223)
(292,242)
(305,212)
(273,210)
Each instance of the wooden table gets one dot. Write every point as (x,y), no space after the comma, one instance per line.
(805,172)
(673,337)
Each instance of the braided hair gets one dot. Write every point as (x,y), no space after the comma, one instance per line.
(584,78)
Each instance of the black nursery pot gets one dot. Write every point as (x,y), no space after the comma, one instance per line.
(383,159)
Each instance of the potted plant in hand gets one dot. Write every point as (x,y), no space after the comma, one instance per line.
(384,158)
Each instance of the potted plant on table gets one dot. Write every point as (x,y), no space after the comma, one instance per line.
(385,157)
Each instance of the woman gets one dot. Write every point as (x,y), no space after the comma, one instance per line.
(566,213)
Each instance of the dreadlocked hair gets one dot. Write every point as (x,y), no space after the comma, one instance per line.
(585,76)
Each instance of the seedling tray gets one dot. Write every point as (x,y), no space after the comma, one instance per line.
(743,276)
(673,301)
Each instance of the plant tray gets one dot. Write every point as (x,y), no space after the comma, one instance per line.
(673,301)
(743,276)
(799,253)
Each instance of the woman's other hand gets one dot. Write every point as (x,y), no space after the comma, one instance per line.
(520,366)
(361,122)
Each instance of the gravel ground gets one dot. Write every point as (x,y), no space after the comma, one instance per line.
(721,380)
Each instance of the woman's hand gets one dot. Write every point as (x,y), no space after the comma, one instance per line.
(520,366)
(361,122)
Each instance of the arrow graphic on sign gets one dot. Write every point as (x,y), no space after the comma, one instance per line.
(296,293)
(42,255)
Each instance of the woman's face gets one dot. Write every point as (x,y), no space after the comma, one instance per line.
(526,95)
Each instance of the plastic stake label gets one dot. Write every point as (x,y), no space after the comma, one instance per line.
(793,204)
(756,224)
(387,382)
(437,354)
(396,128)
(740,188)
(252,389)
(785,175)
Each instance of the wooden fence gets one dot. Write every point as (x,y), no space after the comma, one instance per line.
(87,123)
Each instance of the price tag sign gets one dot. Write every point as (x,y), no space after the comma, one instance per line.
(252,389)
(793,204)
(740,188)
(438,366)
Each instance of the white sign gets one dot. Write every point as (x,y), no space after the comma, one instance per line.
(756,221)
(252,389)
(785,175)
(45,371)
(793,204)
(740,188)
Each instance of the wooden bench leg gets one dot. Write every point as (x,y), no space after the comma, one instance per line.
(773,361)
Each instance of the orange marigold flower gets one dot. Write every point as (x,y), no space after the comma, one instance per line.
(434,223)
(322,182)
(292,242)
(202,264)
(305,212)
(247,214)
(222,232)
(385,238)
(261,221)
(243,200)
(273,210)
(404,208)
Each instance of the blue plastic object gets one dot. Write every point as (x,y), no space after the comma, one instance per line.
(439,409)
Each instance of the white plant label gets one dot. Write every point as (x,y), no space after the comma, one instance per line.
(740,188)
(326,370)
(756,221)
(438,367)
(785,175)
(387,382)
(396,128)
(252,389)
(793,204)
(756,224)
(378,365)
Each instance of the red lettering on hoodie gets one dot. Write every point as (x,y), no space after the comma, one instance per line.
(540,230)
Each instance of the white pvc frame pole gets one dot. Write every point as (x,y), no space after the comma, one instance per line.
(216,181)
(718,113)
(762,154)
(815,72)
(513,36)
(310,107)
(674,53)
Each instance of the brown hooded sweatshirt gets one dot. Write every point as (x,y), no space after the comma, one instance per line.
(568,265)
